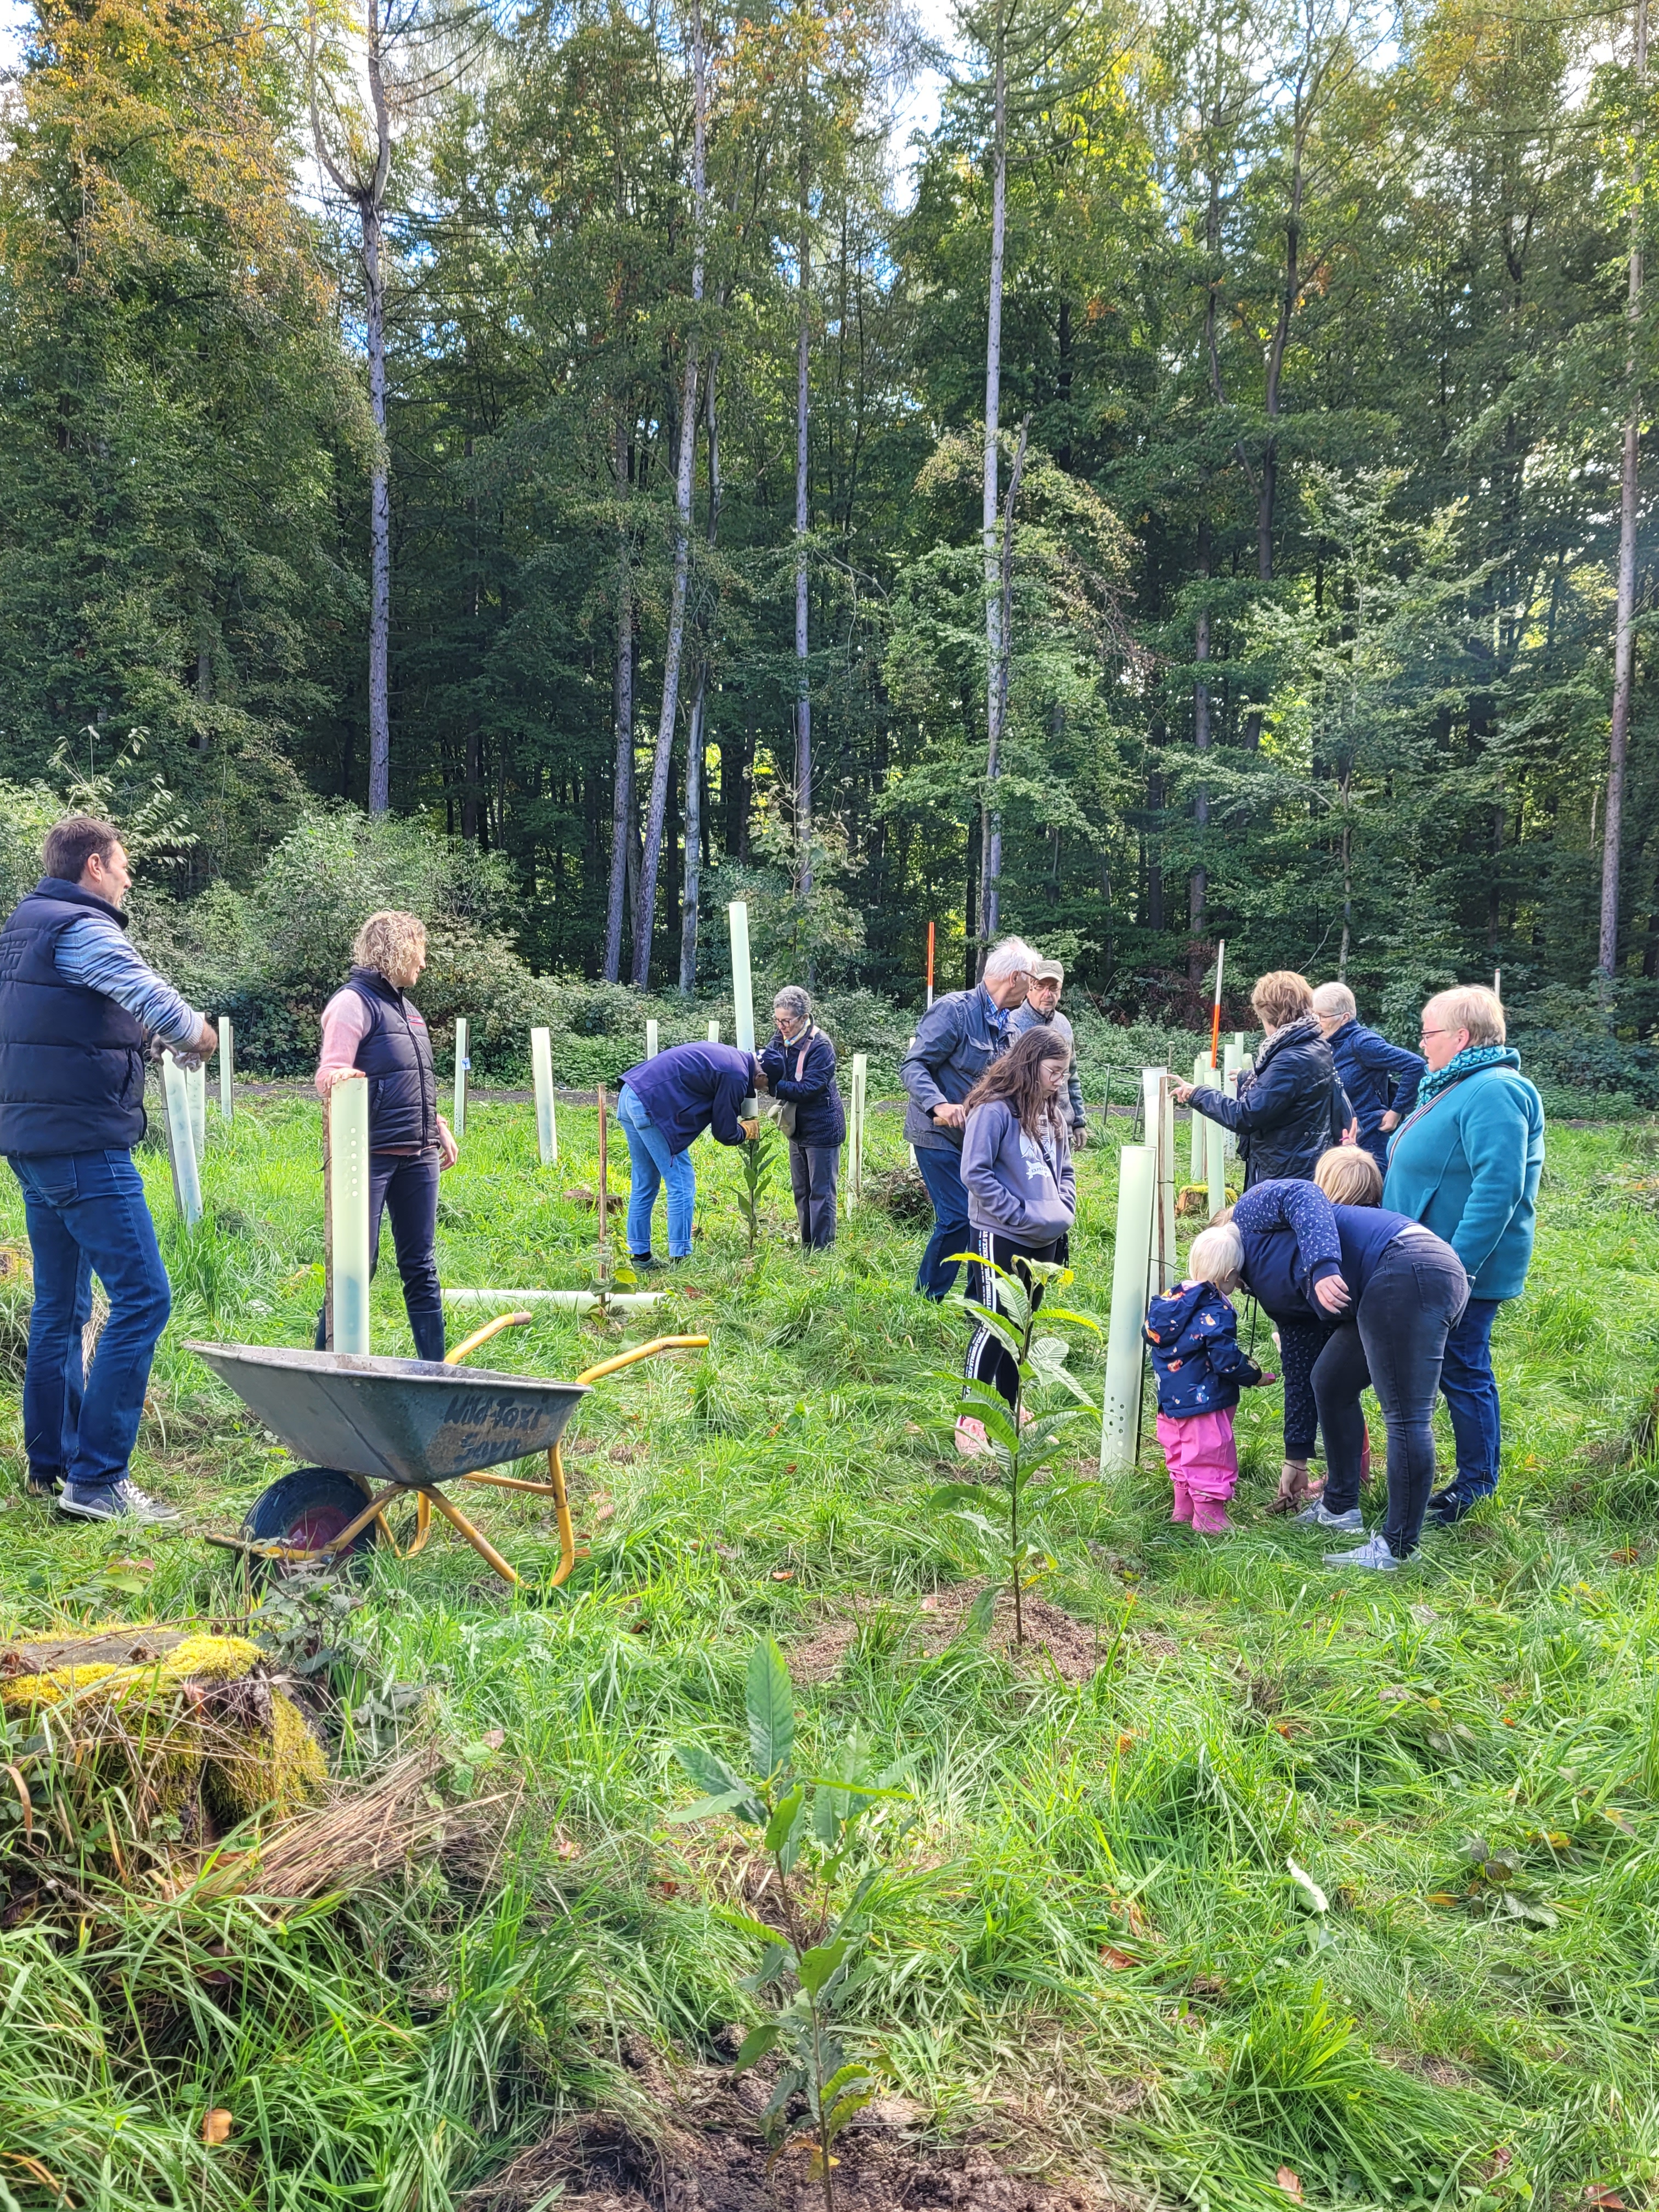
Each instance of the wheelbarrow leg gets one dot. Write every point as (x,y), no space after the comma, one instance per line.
(562,1514)
(481,1544)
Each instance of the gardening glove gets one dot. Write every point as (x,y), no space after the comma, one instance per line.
(750,1130)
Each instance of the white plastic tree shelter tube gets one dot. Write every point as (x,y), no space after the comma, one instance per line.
(458,1117)
(181,1149)
(1215,1141)
(541,1068)
(196,1087)
(579,1301)
(1160,1259)
(1232,1059)
(855,1150)
(348,1195)
(742,988)
(652,1047)
(227,1066)
(1120,1429)
(1200,1156)
(714,1032)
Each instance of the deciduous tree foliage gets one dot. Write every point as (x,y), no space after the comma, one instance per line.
(1320,329)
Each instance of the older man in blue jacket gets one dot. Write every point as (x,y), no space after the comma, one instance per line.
(1380,1078)
(1466,1162)
(957,1040)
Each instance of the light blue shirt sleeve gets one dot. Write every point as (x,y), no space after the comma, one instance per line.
(96,953)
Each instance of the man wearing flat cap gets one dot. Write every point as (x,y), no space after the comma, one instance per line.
(1041,1011)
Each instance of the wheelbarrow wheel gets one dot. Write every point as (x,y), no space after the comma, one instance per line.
(306,1509)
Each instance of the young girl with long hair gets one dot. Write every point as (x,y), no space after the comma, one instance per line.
(1022,1192)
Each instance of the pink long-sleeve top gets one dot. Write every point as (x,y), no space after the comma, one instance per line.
(345,1025)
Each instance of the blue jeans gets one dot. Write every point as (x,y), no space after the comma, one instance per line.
(1470,1389)
(87,1215)
(654,1165)
(941,1171)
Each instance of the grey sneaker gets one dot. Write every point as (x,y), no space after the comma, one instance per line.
(1320,1515)
(1373,1557)
(115,1501)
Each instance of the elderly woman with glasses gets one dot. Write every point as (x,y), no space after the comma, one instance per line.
(800,1072)
(1466,1162)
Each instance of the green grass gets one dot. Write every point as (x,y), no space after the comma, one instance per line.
(1089,1944)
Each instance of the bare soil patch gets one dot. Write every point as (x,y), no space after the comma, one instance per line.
(701,2150)
(1074,1649)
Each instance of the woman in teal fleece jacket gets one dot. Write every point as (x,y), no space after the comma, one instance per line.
(1466,1163)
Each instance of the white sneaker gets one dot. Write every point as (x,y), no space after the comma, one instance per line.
(1373,1557)
(115,1501)
(1320,1515)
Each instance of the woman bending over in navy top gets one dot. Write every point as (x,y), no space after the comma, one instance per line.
(1393,1289)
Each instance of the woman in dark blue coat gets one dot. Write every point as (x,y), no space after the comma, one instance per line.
(1291,1107)
(800,1072)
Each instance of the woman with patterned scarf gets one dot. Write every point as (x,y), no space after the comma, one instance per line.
(1466,1163)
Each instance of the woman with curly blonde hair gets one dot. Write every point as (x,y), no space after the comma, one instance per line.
(372,1028)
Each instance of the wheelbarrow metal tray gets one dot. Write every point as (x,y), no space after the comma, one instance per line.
(394,1420)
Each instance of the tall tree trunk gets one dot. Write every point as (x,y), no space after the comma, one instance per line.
(990,866)
(663,760)
(368,195)
(991,891)
(803,697)
(695,832)
(1198,884)
(380,526)
(622,788)
(1290,297)
(1624,650)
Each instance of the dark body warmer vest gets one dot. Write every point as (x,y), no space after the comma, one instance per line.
(71,1060)
(396,1056)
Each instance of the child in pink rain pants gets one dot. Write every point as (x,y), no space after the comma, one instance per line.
(1200,1368)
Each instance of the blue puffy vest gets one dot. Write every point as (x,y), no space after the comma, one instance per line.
(395,1055)
(71,1060)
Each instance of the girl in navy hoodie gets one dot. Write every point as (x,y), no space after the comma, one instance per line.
(1200,1368)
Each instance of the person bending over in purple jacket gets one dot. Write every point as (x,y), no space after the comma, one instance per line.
(1022,1193)
(665,1105)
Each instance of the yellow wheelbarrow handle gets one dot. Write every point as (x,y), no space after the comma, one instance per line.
(554,1486)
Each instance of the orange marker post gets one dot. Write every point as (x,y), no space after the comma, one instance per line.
(930,963)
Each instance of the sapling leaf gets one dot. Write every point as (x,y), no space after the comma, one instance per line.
(785,1814)
(821,1963)
(755,2045)
(1065,1313)
(949,1494)
(771,1707)
(792,2079)
(1012,1341)
(712,1775)
(729,1801)
(774,1959)
(978,1520)
(976,1621)
(746,1924)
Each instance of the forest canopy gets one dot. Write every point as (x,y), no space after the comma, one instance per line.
(565,429)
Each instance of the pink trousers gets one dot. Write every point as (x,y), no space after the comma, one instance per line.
(1203,1462)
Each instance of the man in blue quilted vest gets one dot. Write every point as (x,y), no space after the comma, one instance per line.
(80,1012)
